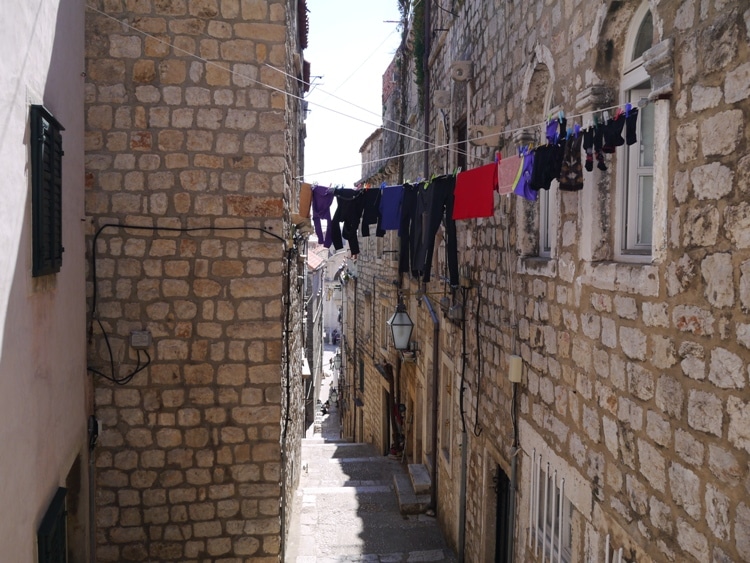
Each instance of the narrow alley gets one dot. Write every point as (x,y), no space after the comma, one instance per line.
(346,508)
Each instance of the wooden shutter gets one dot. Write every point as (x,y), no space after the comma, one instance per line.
(46,188)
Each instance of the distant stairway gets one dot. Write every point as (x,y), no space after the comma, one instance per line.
(413,489)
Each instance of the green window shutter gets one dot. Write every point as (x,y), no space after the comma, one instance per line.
(46,191)
(52,534)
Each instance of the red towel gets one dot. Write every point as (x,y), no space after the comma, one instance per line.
(474,192)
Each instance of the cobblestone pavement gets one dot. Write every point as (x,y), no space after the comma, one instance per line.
(346,509)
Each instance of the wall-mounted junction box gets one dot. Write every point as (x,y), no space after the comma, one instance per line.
(140,339)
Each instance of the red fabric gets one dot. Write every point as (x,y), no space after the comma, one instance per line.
(473,195)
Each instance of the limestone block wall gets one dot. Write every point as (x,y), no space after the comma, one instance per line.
(192,144)
(635,376)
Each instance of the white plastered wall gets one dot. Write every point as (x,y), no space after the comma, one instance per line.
(42,321)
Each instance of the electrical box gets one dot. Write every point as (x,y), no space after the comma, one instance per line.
(515,363)
(140,339)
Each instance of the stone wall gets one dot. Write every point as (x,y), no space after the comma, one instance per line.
(635,375)
(191,153)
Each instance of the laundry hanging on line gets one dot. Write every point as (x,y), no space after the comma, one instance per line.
(418,209)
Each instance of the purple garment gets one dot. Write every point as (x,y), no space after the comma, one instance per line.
(390,207)
(523,188)
(322,198)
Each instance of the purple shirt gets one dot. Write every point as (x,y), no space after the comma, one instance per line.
(322,197)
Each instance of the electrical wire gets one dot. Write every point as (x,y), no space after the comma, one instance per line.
(463,363)
(363,63)
(261,83)
(432,146)
(94,293)
(113,378)
(477,428)
(450,145)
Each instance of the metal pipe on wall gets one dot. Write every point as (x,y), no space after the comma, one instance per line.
(435,387)
(512,501)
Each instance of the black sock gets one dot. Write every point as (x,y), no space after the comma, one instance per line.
(630,126)
(613,134)
(588,146)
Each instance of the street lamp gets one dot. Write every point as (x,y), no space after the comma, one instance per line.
(337,360)
(401,327)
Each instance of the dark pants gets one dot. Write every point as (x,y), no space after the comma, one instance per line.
(409,231)
(439,209)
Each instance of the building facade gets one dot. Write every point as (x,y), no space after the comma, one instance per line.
(193,146)
(45,393)
(622,305)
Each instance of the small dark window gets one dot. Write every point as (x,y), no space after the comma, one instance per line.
(46,191)
(51,537)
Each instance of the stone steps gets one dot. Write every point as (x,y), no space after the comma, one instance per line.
(413,489)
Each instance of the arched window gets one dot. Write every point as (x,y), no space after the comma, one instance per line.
(635,201)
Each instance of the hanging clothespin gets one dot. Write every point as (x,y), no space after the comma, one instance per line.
(628,107)
(383,185)
(497,157)
(560,115)
(576,129)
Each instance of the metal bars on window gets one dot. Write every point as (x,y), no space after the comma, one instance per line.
(547,524)
(612,555)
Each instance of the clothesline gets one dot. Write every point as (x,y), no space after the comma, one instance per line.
(416,137)
(450,146)
(640,104)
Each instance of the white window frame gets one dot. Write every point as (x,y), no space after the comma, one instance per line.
(635,85)
(548,220)
(548,198)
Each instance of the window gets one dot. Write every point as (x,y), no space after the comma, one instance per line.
(548,198)
(52,535)
(636,169)
(551,513)
(46,192)
(547,219)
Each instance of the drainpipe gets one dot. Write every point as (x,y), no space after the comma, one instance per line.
(435,387)
(515,450)
(512,507)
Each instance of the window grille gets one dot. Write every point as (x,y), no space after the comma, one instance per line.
(549,514)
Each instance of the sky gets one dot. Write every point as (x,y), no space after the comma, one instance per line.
(350,45)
